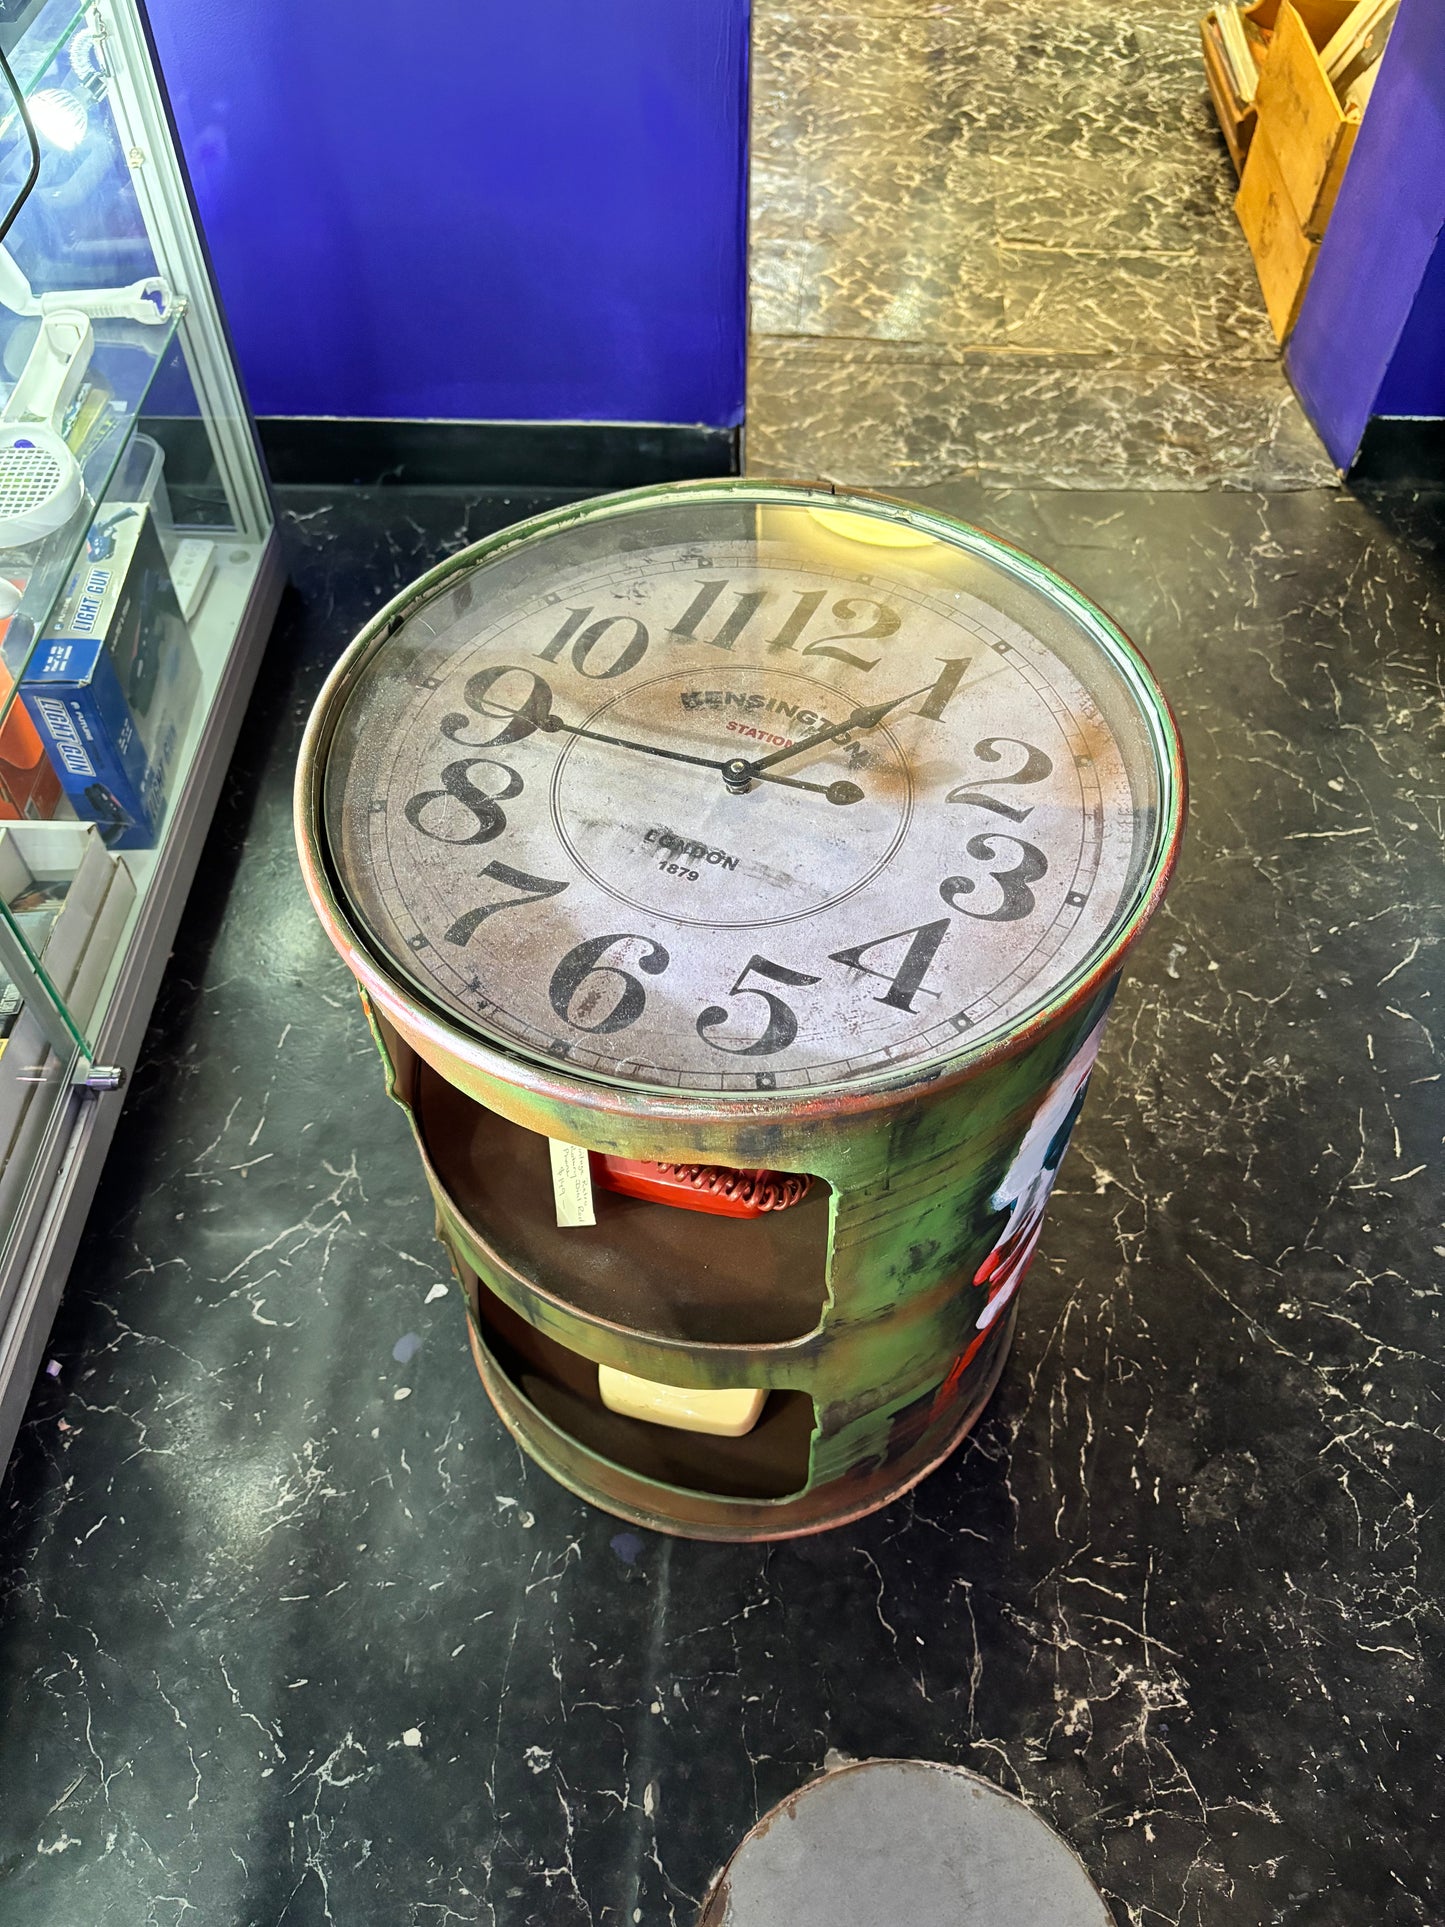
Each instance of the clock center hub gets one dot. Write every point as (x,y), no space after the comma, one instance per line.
(728,827)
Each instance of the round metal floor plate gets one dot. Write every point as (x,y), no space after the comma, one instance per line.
(884,1841)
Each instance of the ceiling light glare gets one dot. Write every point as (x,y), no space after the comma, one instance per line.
(59,118)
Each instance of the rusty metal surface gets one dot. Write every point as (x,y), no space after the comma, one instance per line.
(692,1515)
(897,1367)
(914,1841)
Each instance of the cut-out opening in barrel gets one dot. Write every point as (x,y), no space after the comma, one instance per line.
(769,1462)
(656,1269)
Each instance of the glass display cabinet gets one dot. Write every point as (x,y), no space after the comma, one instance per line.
(138,581)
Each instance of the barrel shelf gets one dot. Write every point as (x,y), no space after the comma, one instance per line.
(770,1462)
(645,1270)
(865,1283)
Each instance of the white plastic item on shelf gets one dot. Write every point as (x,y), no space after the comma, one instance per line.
(53,371)
(193,563)
(24,1146)
(77,948)
(25,1063)
(41,485)
(149,300)
(726,1414)
(76,957)
(73,928)
(33,852)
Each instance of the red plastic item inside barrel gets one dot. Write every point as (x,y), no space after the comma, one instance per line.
(701,1187)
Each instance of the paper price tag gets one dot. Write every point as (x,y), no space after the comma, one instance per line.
(571,1183)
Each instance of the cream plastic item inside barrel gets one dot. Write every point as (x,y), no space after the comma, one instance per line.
(726,1415)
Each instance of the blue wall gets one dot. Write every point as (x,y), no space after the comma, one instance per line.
(473,209)
(1414,382)
(1364,300)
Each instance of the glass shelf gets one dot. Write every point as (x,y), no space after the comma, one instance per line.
(33,35)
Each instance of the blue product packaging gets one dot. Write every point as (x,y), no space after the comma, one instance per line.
(112,684)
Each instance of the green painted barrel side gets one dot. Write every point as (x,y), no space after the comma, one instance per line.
(823,1505)
(904,1249)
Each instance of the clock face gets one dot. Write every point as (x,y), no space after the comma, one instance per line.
(725,791)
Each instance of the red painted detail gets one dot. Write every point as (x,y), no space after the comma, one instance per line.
(1002,1271)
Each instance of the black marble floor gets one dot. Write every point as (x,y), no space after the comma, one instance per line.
(292,1634)
(995,239)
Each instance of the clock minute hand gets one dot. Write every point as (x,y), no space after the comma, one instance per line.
(554,722)
(866,718)
(841,792)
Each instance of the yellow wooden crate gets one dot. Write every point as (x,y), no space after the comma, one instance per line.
(1236,120)
(1322,18)
(1284,255)
(1310,133)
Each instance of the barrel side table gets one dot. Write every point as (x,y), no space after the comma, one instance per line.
(617,868)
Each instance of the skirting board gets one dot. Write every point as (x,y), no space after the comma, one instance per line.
(333,451)
(1407,451)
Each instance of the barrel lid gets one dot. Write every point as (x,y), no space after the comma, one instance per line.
(738,787)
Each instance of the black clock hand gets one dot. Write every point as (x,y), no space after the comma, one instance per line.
(840,792)
(865,718)
(552,721)
(740,771)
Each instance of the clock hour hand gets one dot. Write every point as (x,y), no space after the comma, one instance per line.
(839,792)
(868,717)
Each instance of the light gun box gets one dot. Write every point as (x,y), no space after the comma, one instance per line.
(112,684)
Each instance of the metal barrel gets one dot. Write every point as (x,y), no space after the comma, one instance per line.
(876,1315)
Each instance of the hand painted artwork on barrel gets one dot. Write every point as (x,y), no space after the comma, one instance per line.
(740,828)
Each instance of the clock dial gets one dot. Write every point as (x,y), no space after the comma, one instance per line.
(719,790)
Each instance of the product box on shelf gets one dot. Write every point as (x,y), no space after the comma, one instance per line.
(112,684)
(29,787)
